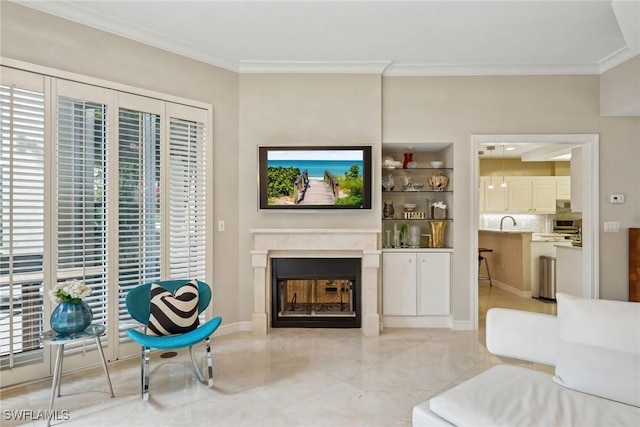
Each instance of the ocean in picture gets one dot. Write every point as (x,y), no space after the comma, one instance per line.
(316,168)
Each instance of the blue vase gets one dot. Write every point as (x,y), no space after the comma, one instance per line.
(69,318)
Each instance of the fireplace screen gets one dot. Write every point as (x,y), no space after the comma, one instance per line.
(316,297)
(315,292)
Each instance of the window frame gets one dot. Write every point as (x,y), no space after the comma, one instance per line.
(122,96)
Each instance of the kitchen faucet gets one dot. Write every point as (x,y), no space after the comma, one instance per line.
(508,216)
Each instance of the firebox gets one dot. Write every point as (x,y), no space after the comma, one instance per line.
(315,292)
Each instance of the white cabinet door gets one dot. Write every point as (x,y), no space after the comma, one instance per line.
(563,187)
(495,196)
(543,195)
(399,284)
(518,194)
(433,283)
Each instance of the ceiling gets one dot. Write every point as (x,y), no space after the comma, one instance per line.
(382,37)
(527,151)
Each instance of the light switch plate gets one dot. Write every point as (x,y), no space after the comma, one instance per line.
(611,226)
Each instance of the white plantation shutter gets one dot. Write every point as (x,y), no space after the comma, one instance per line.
(187,193)
(139,223)
(81,134)
(112,200)
(21,224)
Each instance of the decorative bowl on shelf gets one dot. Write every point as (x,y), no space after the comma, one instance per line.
(411,186)
(437,164)
(438,182)
(409,206)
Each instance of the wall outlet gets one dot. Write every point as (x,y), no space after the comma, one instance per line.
(616,198)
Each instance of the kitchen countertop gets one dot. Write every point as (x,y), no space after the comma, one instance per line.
(569,247)
(551,237)
(507,231)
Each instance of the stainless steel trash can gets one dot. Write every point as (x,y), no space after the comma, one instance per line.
(548,277)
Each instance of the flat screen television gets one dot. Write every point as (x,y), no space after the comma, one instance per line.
(315,177)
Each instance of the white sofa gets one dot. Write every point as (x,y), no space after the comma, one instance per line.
(595,348)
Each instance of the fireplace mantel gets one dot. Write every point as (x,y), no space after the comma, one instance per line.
(316,243)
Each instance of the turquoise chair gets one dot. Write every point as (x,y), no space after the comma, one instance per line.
(137,302)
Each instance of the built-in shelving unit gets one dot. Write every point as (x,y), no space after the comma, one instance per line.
(417,202)
(416,274)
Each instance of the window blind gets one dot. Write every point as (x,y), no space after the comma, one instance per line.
(138,207)
(81,135)
(187,171)
(21,225)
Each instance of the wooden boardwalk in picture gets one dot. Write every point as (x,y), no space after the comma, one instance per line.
(318,193)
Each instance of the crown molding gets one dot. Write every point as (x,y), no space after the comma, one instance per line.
(416,70)
(319,67)
(83,14)
(627,13)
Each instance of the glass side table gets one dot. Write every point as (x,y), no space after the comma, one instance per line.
(53,338)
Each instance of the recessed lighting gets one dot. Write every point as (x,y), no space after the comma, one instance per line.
(510,148)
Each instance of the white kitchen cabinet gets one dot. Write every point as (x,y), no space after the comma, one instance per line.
(495,196)
(416,283)
(543,194)
(563,187)
(527,194)
(518,194)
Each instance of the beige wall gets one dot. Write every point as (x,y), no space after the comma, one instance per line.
(281,109)
(454,108)
(252,110)
(515,167)
(42,39)
(620,89)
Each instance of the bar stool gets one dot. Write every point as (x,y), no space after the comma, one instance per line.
(486,264)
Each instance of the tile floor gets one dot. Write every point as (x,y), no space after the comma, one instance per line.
(292,377)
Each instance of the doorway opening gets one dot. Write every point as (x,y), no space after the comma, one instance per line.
(587,168)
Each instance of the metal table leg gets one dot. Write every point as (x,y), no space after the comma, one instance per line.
(104,364)
(55,383)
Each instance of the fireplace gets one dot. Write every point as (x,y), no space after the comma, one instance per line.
(316,292)
(333,244)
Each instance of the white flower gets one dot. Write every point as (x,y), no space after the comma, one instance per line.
(72,290)
(440,205)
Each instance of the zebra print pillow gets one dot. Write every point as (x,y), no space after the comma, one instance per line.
(175,313)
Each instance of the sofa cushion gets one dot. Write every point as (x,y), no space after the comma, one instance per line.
(506,395)
(599,347)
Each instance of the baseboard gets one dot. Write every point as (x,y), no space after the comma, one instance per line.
(515,291)
(416,321)
(462,325)
(226,329)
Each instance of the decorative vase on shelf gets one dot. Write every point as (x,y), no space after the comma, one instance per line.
(388,210)
(408,158)
(438,182)
(388,184)
(437,233)
(71,318)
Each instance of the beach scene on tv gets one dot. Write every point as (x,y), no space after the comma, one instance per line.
(315,177)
